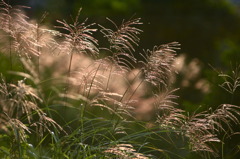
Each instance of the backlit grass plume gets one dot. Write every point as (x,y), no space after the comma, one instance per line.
(78,40)
(158,64)
(14,23)
(122,41)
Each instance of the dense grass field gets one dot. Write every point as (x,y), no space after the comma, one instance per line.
(64,96)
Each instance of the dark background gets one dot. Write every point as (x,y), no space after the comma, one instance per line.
(205,28)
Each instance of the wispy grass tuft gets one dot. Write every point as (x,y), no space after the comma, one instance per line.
(122,41)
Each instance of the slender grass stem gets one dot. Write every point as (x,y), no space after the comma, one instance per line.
(91,84)
(222,146)
(10,53)
(70,65)
(18,143)
(135,90)
(109,77)
(10,39)
(68,80)
(88,93)
(125,92)
(118,120)
(38,50)
(129,86)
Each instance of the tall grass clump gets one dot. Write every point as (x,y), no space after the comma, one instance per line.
(60,99)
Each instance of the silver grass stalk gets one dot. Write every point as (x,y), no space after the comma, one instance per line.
(15,24)
(158,64)
(78,39)
(122,41)
(168,115)
(19,101)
